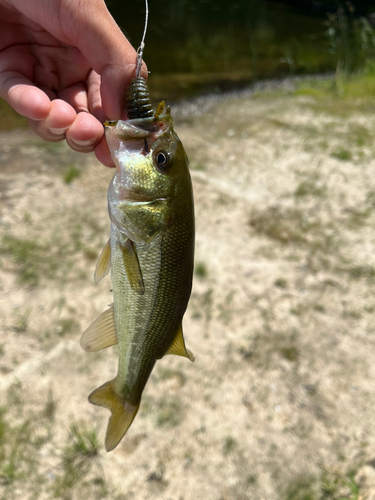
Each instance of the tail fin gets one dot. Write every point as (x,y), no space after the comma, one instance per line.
(123,413)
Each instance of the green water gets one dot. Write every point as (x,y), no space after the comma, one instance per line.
(211,45)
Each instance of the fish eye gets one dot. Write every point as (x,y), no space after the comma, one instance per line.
(162,161)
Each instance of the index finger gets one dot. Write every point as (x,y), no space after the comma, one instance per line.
(23,96)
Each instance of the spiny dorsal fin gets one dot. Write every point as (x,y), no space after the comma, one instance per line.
(104,263)
(178,346)
(123,413)
(101,333)
(132,268)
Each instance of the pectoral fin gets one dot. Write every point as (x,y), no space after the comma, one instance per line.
(123,413)
(101,333)
(104,263)
(178,346)
(132,268)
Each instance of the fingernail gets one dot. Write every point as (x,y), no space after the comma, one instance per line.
(58,131)
(83,144)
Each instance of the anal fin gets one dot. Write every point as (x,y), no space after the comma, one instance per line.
(101,333)
(104,263)
(178,346)
(123,413)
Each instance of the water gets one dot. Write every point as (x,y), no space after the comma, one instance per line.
(214,45)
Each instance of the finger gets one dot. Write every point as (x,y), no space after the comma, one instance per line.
(49,93)
(85,133)
(115,81)
(94,96)
(53,128)
(23,96)
(102,153)
(76,96)
(108,51)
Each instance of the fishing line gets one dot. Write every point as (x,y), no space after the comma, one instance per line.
(142,46)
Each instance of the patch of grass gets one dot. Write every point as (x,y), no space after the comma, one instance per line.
(286,225)
(359,135)
(281,283)
(357,218)
(303,487)
(358,272)
(15,395)
(50,407)
(265,348)
(27,217)
(310,90)
(229,445)
(370,198)
(65,325)
(200,269)
(309,188)
(53,148)
(302,428)
(201,305)
(20,442)
(319,308)
(26,254)
(334,485)
(22,321)
(71,173)
(34,259)
(91,253)
(329,485)
(251,479)
(351,313)
(168,374)
(77,459)
(225,308)
(353,487)
(342,154)
(289,352)
(23,469)
(169,412)
(298,310)
(9,118)
(359,86)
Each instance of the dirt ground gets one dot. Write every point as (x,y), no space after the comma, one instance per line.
(279,404)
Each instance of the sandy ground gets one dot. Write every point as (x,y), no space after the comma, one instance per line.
(279,404)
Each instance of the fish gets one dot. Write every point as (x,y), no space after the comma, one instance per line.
(150,254)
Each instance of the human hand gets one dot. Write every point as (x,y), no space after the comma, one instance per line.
(66,66)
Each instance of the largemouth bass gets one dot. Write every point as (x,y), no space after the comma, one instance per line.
(150,253)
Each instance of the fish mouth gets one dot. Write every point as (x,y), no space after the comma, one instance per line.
(128,195)
(138,199)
